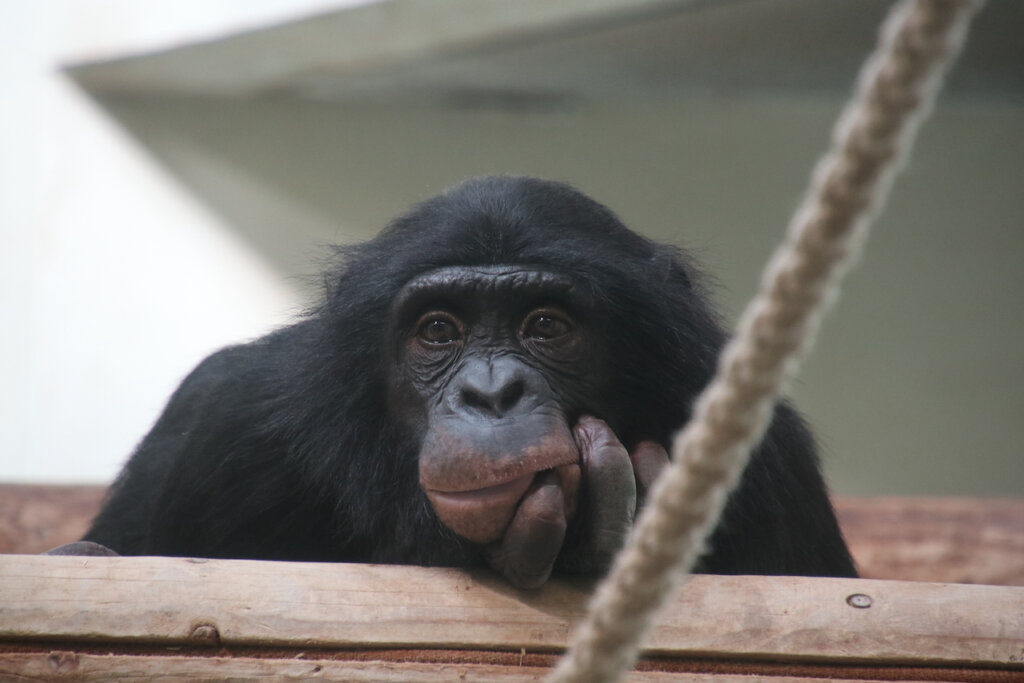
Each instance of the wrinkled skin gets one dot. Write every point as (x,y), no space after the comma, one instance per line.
(498,388)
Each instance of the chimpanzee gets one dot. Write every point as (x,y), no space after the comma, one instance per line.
(493,380)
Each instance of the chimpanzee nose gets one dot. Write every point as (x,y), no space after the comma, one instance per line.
(493,387)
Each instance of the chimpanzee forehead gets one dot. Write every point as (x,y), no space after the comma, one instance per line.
(486,281)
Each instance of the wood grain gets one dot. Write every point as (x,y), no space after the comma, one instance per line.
(181,602)
(58,665)
(35,518)
(956,540)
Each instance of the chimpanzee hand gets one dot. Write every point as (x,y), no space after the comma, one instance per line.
(602,508)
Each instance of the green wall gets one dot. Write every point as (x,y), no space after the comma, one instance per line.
(917,382)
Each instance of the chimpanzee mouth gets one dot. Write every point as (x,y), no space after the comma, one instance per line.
(498,494)
(482,514)
(475,476)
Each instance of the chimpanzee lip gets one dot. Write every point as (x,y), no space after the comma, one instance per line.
(518,485)
(478,474)
(480,515)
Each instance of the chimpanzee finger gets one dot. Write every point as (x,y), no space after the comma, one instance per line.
(526,553)
(649,459)
(569,481)
(609,490)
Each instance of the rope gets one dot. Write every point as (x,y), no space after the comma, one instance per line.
(895,91)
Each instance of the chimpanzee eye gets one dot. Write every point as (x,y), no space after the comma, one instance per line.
(545,325)
(439,329)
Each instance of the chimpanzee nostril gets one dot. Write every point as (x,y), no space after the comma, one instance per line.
(492,389)
(471,398)
(496,400)
(511,395)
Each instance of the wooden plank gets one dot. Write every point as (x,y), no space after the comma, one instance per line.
(57,665)
(35,518)
(176,601)
(952,540)
(955,540)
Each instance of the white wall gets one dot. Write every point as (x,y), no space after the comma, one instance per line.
(114,281)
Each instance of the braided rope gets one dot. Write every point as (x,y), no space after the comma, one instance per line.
(896,88)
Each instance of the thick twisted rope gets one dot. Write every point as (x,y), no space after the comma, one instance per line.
(896,89)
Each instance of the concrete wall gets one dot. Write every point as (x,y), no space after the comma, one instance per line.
(918,382)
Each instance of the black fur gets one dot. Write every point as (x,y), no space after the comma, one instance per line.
(283,448)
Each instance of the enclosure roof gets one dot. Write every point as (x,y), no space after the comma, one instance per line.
(537,53)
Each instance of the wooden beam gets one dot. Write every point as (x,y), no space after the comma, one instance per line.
(109,619)
(955,540)
(37,517)
(105,668)
(85,606)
